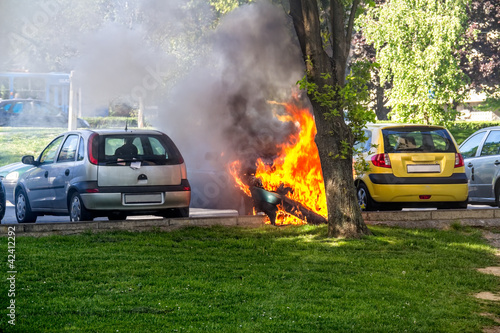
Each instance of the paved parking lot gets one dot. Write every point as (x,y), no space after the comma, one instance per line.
(10,215)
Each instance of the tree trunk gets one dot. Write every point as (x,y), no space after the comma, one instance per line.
(380,109)
(344,213)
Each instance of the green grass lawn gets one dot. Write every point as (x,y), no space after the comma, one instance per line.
(269,279)
(15,142)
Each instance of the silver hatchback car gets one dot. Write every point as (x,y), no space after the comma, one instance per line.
(481,152)
(113,173)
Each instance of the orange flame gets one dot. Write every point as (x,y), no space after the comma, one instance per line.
(297,166)
(234,170)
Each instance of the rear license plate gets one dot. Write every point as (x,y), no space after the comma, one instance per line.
(423,168)
(150,198)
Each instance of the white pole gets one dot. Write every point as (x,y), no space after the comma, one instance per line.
(140,115)
(72,118)
(80,102)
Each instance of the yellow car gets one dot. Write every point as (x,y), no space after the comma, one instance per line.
(410,166)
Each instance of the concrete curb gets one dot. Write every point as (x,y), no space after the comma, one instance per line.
(71,228)
(437,219)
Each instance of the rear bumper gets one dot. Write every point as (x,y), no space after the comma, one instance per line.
(113,197)
(412,192)
(115,201)
(390,179)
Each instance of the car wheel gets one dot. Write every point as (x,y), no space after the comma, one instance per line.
(497,196)
(77,210)
(117,216)
(364,198)
(23,208)
(2,203)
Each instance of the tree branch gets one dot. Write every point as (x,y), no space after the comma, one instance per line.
(350,24)
(298,22)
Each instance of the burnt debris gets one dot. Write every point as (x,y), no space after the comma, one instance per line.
(270,202)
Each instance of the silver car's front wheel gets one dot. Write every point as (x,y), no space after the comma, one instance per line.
(23,208)
(77,210)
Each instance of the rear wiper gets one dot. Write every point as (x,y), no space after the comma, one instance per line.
(121,161)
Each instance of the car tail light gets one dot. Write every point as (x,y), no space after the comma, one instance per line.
(424,197)
(459,160)
(381,160)
(185,185)
(92,190)
(93,148)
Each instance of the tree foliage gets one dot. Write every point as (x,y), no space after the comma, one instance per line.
(480,59)
(416,43)
(223,7)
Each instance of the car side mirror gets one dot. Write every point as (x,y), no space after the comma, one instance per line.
(29,159)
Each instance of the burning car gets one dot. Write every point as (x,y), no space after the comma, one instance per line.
(289,188)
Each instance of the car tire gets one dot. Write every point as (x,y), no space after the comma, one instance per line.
(497,196)
(117,216)
(23,208)
(365,200)
(77,210)
(3,203)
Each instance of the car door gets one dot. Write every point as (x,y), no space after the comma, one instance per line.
(63,171)
(39,181)
(487,167)
(469,150)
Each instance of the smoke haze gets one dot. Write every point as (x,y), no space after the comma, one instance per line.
(254,60)
(210,88)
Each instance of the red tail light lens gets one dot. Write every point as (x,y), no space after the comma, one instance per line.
(459,160)
(93,148)
(381,160)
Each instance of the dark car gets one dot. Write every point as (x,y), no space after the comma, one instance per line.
(29,112)
(2,202)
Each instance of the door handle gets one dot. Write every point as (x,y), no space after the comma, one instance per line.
(470,165)
(66,172)
(46,174)
(497,162)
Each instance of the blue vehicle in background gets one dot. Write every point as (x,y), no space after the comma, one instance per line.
(52,88)
(34,113)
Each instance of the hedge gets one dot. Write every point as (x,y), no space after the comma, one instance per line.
(112,122)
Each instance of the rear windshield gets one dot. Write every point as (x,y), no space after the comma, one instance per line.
(417,139)
(133,148)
